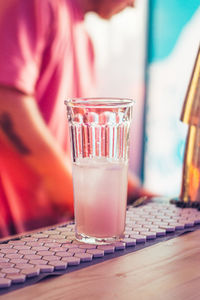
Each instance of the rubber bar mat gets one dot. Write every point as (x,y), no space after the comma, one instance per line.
(55,251)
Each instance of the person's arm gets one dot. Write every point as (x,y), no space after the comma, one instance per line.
(24,129)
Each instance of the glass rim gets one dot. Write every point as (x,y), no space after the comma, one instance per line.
(95,102)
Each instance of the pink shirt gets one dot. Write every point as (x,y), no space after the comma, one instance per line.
(44,51)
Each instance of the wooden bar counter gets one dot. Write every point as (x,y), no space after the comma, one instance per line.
(167,270)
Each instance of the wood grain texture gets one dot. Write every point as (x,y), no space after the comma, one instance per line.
(166,271)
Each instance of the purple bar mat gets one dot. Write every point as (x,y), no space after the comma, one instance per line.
(41,255)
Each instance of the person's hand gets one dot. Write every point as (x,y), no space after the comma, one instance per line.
(135,189)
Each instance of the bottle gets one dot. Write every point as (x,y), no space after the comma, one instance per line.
(190,189)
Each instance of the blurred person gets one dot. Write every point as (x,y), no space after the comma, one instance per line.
(46,56)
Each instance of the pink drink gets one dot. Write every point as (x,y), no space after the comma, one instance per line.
(100,193)
(99,129)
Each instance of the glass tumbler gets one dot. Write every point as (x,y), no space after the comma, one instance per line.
(99,132)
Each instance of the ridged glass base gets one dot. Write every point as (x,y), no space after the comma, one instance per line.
(99,241)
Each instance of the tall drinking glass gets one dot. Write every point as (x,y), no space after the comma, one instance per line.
(99,130)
